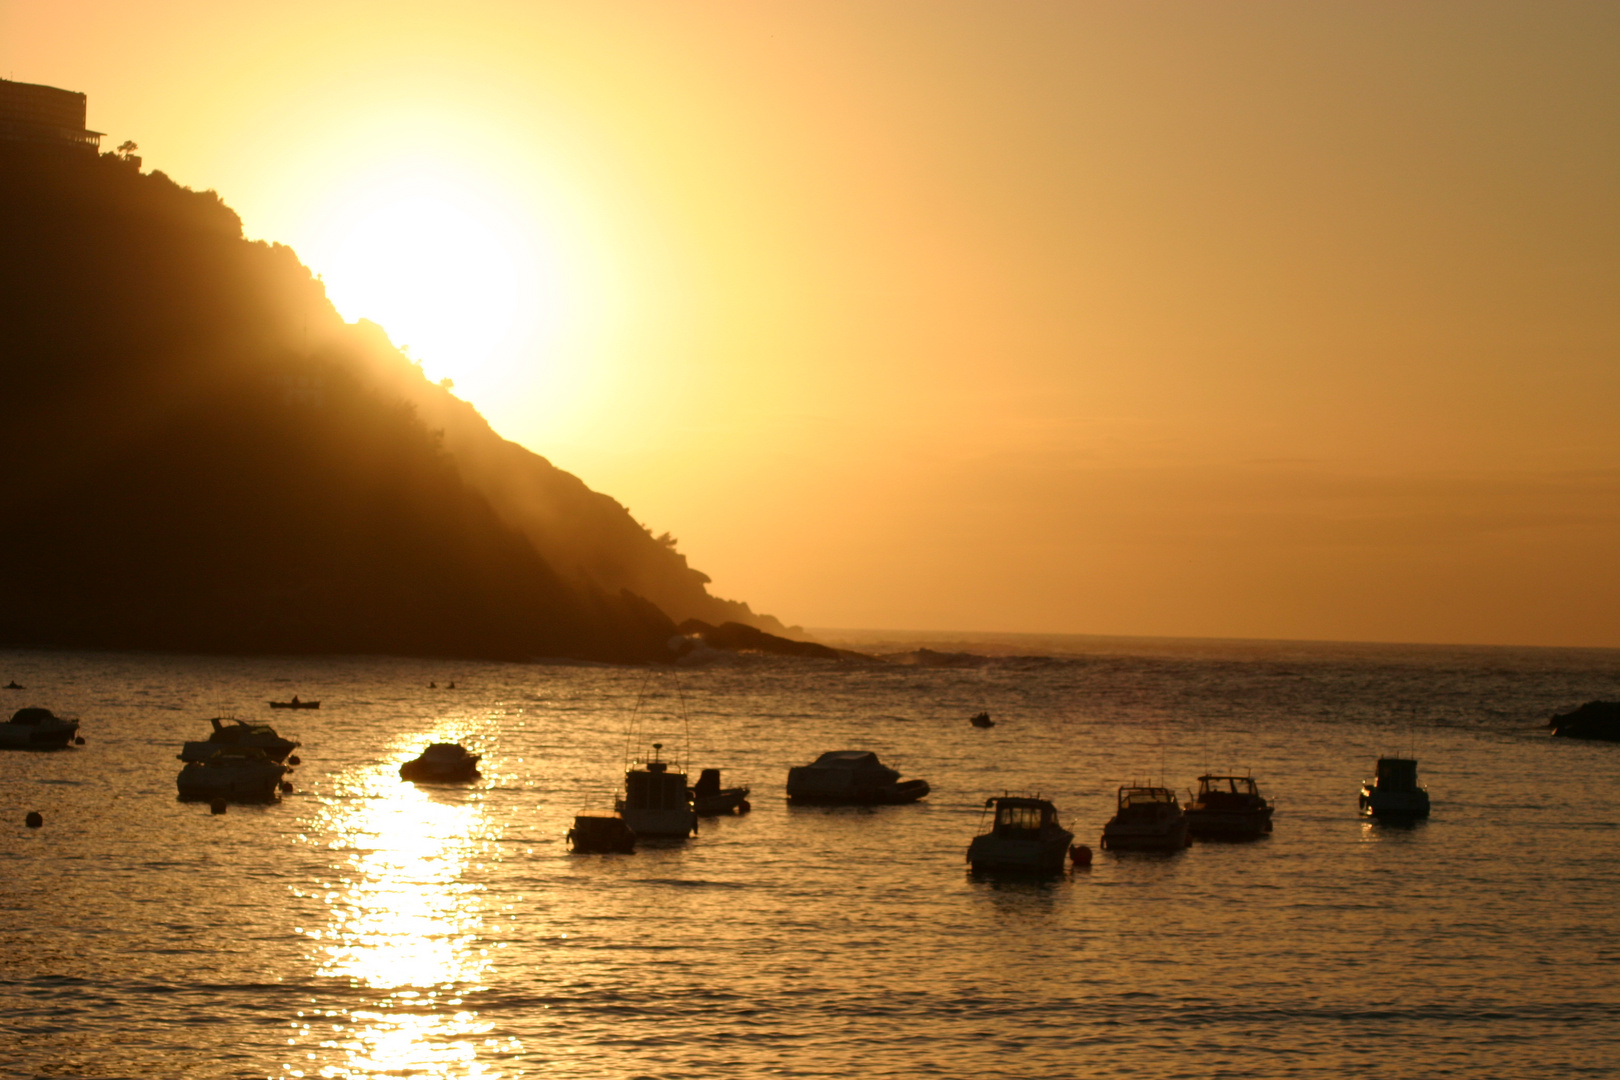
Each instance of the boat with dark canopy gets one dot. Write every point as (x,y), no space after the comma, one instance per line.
(1228,806)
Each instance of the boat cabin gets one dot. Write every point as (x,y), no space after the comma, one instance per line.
(1142,797)
(1215,792)
(1397,774)
(1021,818)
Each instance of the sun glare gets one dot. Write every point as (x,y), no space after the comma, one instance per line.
(455,273)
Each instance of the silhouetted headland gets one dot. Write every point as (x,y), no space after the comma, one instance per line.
(202,456)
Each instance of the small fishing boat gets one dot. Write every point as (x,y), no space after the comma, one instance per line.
(34,728)
(442,763)
(295,704)
(981,720)
(592,835)
(1394,792)
(232,732)
(1023,836)
(709,799)
(234,774)
(13,685)
(1148,818)
(656,801)
(1228,806)
(851,778)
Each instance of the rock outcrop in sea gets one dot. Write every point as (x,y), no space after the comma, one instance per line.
(1594,720)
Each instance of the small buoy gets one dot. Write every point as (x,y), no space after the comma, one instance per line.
(744,806)
(286,787)
(34,820)
(1080,855)
(433,686)
(78,740)
(294,760)
(217,806)
(451,685)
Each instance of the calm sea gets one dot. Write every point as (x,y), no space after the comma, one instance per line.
(364,927)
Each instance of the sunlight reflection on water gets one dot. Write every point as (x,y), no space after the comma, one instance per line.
(404,920)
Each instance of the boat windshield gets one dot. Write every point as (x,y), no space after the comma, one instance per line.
(1019,817)
(1145,796)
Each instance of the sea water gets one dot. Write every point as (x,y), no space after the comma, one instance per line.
(365,927)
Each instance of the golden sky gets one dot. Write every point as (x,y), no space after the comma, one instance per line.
(1246,320)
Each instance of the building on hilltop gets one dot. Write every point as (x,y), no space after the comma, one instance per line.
(32,113)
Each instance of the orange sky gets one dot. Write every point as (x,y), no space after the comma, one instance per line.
(1262,319)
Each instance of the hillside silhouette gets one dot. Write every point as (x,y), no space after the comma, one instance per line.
(201,455)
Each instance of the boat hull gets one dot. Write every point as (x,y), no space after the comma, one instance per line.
(601,836)
(1171,837)
(229,784)
(663,823)
(37,737)
(992,854)
(726,801)
(1229,824)
(421,772)
(1394,804)
(905,791)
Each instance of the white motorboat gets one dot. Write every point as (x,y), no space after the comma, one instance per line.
(37,729)
(235,774)
(442,763)
(1230,807)
(1394,792)
(1148,818)
(232,732)
(656,801)
(851,777)
(1023,836)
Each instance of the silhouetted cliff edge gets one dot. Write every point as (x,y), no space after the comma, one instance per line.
(201,455)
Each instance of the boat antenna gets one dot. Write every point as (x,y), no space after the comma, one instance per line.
(633,728)
(686,727)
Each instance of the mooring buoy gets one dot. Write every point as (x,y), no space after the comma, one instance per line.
(34,819)
(217,806)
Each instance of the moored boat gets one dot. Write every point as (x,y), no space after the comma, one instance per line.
(656,801)
(851,778)
(709,799)
(1147,818)
(1394,791)
(1023,836)
(234,774)
(232,732)
(442,763)
(1228,806)
(34,728)
(295,704)
(594,835)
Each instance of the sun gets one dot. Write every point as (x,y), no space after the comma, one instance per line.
(457,274)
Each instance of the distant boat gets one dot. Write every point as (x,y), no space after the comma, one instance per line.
(1394,792)
(594,835)
(1228,806)
(235,774)
(232,732)
(295,704)
(37,729)
(709,799)
(13,685)
(656,801)
(1147,818)
(982,720)
(851,778)
(442,763)
(1023,836)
